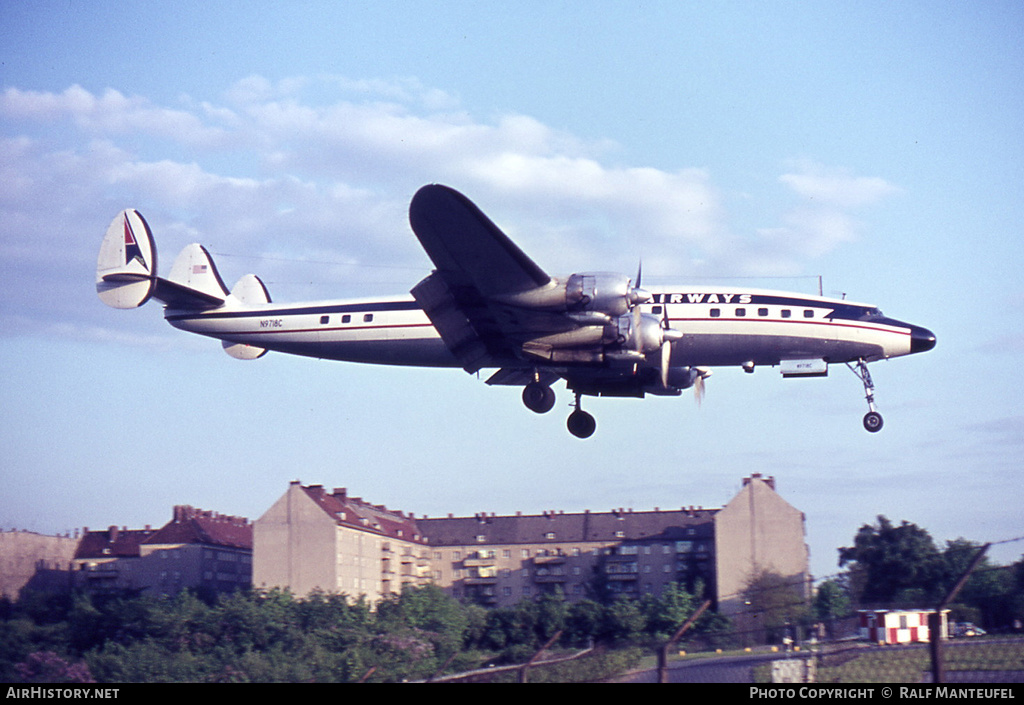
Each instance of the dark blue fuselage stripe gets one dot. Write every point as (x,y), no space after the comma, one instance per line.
(368,307)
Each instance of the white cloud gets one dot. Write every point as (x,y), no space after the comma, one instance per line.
(837,187)
(323,168)
(823,219)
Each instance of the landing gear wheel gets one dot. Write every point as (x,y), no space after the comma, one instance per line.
(873,421)
(538,398)
(581,424)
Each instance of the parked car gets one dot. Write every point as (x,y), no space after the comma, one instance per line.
(961,629)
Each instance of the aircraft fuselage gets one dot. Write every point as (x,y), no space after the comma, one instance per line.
(720,326)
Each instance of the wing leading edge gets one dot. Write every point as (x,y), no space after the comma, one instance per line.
(470,297)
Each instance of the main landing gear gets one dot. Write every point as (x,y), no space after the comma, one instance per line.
(540,398)
(580,423)
(872,419)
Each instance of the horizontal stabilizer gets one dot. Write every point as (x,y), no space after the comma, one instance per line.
(177,295)
(126,267)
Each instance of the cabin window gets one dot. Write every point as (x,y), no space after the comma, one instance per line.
(716,312)
(786,313)
(656,310)
(346,318)
(324,320)
(762,312)
(741,312)
(808,313)
(367,317)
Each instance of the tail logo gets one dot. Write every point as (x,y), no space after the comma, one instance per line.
(132,251)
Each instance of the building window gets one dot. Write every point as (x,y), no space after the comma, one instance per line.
(549,535)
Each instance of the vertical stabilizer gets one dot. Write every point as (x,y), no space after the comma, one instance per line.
(194,269)
(126,267)
(249,290)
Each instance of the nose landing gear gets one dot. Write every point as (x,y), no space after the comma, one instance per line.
(872,419)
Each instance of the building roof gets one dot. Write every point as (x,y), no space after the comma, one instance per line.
(111,543)
(191,525)
(617,525)
(188,525)
(357,514)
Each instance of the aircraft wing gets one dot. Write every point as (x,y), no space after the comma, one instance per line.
(477,265)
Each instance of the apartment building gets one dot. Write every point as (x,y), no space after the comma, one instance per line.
(314,540)
(36,562)
(311,539)
(197,549)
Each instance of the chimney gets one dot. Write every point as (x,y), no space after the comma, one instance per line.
(112,534)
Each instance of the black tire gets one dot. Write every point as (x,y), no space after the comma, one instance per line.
(873,421)
(538,398)
(581,424)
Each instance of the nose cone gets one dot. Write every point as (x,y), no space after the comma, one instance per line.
(921,339)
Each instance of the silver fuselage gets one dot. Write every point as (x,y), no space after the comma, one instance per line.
(721,326)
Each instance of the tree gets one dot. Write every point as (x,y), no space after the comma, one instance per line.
(667,612)
(891,564)
(775,605)
(831,602)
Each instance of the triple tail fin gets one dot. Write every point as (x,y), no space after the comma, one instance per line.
(126,277)
(126,268)
(126,273)
(249,290)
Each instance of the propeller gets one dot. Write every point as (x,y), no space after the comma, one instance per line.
(637,295)
(698,384)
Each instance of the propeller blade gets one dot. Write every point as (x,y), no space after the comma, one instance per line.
(638,343)
(666,359)
(698,384)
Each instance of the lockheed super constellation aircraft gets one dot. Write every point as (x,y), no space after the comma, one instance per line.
(488,305)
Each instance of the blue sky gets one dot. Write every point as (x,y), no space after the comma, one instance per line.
(875,144)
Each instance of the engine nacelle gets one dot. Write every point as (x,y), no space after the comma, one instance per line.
(601,293)
(643,333)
